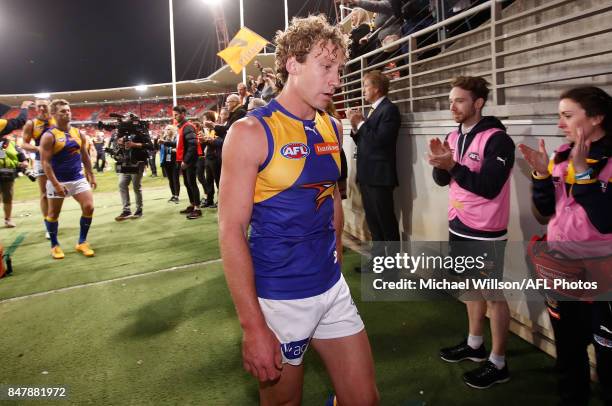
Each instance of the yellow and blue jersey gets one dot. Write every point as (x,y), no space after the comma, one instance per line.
(66,160)
(292,237)
(39,127)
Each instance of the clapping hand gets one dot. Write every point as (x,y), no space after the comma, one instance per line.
(440,155)
(580,152)
(537,160)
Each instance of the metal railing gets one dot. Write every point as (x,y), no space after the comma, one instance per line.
(496,49)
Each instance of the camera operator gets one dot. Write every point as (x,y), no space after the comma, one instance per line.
(187,152)
(12,160)
(134,143)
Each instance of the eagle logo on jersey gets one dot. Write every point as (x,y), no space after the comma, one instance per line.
(295,150)
(325,191)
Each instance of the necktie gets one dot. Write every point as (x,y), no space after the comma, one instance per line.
(370,112)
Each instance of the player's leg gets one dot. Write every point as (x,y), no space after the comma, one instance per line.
(85,200)
(350,365)
(286,391)
(341,341)
(55,204)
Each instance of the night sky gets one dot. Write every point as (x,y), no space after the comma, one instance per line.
(61,45)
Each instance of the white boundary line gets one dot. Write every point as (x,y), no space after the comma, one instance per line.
(121,278)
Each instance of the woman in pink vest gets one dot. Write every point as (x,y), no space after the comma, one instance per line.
(573,189)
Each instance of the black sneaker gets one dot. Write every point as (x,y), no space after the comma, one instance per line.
(187,210)
(173,199)
(137,214)
(123,216)
(486,375)
(463,351)
(197,213)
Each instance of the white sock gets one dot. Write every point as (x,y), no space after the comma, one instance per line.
(498,360)
(474,341)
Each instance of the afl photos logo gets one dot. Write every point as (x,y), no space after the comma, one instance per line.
(295,150)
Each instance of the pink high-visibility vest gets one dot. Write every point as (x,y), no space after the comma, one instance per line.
(475,211)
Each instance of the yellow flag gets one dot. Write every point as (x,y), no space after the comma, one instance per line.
(242,49)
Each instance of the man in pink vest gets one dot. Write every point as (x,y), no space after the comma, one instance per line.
(475,161)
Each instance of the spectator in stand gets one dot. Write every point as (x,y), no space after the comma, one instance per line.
(255,88)
(100,153)
(270,89)
(223,116)
(254,103)
(387,27)
(187,152)
(167,158)
(243,94)
(360,28)
(236,112)
(212,162)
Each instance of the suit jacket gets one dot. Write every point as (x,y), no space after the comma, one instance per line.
(376,145)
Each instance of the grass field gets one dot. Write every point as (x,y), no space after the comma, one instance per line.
(149,320)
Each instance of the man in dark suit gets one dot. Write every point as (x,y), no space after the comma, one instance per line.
(375,136)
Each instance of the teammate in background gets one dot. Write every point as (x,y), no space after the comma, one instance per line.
(33,130)
(476,161)
(63,157)
(279,173)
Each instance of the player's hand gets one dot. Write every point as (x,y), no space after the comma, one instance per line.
(183,166)
(209,124)
(27,104)
(537,160)
(60,190)
(92,181)
(261,355)
(131,144)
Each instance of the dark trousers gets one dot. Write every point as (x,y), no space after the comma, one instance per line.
(173,171)
(200,172)
(213,175)
(190,180)
(152,163)
(100,158)
(579,324)
(380,216)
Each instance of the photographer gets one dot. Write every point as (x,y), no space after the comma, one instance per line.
(131,146)
(12,159)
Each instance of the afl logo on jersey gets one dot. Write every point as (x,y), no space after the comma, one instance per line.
(295,150)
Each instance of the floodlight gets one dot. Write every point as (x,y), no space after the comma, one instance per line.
(141,88)
(42,95)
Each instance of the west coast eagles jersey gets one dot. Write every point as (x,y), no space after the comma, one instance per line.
(292,235)
(38,129)
(66,160)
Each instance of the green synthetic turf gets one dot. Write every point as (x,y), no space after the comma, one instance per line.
(107,182)
(173,337)
(162,238)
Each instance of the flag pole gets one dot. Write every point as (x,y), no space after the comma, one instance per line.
(242,25)
(286,15)
(173,62)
